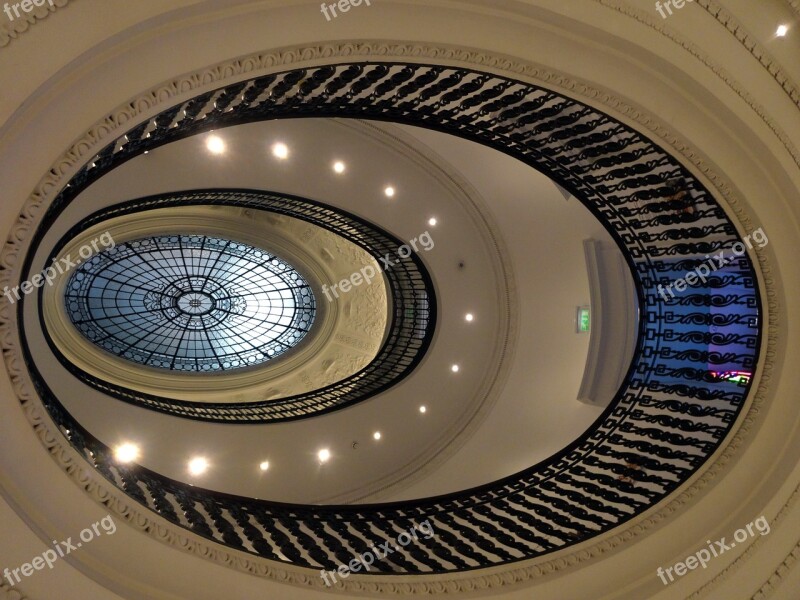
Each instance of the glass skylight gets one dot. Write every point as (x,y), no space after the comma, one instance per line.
(190,303)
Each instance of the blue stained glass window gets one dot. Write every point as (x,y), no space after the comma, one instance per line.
(190,303)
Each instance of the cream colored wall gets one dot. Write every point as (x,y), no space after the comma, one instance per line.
(687,81)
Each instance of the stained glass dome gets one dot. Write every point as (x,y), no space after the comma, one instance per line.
(190,303)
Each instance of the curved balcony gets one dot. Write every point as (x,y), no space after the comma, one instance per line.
(671,413)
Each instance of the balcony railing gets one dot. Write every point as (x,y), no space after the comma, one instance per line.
(672,412)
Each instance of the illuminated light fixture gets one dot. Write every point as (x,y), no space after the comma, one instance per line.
(782,30)
(455,368)
(377,435)
(324,455)
(469,317)
(390,192)
(215,144)
(432,222)
(146,152)
(423,409)
(125,453)
(198,466)
(280,150)
(339,167)
(264,465)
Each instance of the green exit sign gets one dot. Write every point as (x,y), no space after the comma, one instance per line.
(584,319)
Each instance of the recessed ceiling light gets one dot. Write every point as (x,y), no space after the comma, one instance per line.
(215,144)
(782,30)
(455,368)
(339,167)
(280,150)
(377,435)
(389,191)
(324,455)
(423,409)
(264,465)
(198,465)
(469,317)
(432,222)
(126,453)
(146,152)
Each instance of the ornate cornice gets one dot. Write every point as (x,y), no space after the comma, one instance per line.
(262,63)
(646,18)
(753,46)
(11,30)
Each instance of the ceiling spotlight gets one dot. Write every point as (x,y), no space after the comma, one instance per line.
(389,191)
(324,455)
(432,222)
(198,466)
(423,409)
(280,150)
(126,453)
(215,144)
(455,368)
(339,167)
(469,317)
(377,435)
(146,152)
(782,30)
(264,465)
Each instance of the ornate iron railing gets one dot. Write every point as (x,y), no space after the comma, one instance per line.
(672,412)
(411,322)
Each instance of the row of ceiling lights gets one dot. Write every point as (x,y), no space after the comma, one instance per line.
(129,452)
(216,145)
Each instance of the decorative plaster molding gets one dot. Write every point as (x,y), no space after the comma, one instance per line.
(646,18)
(262,63)
(11,30)
(752,45)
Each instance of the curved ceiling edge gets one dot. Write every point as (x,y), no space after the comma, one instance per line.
(357,326)
(671,413)
(478,58)
(410,330)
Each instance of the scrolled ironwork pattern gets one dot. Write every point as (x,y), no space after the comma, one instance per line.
(671,413)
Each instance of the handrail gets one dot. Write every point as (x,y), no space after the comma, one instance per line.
(670,415)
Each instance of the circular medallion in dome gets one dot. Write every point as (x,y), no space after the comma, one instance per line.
(190,303)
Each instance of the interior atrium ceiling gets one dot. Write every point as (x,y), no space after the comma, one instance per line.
(502,288)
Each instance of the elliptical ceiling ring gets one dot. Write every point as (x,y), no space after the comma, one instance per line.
(672,412)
